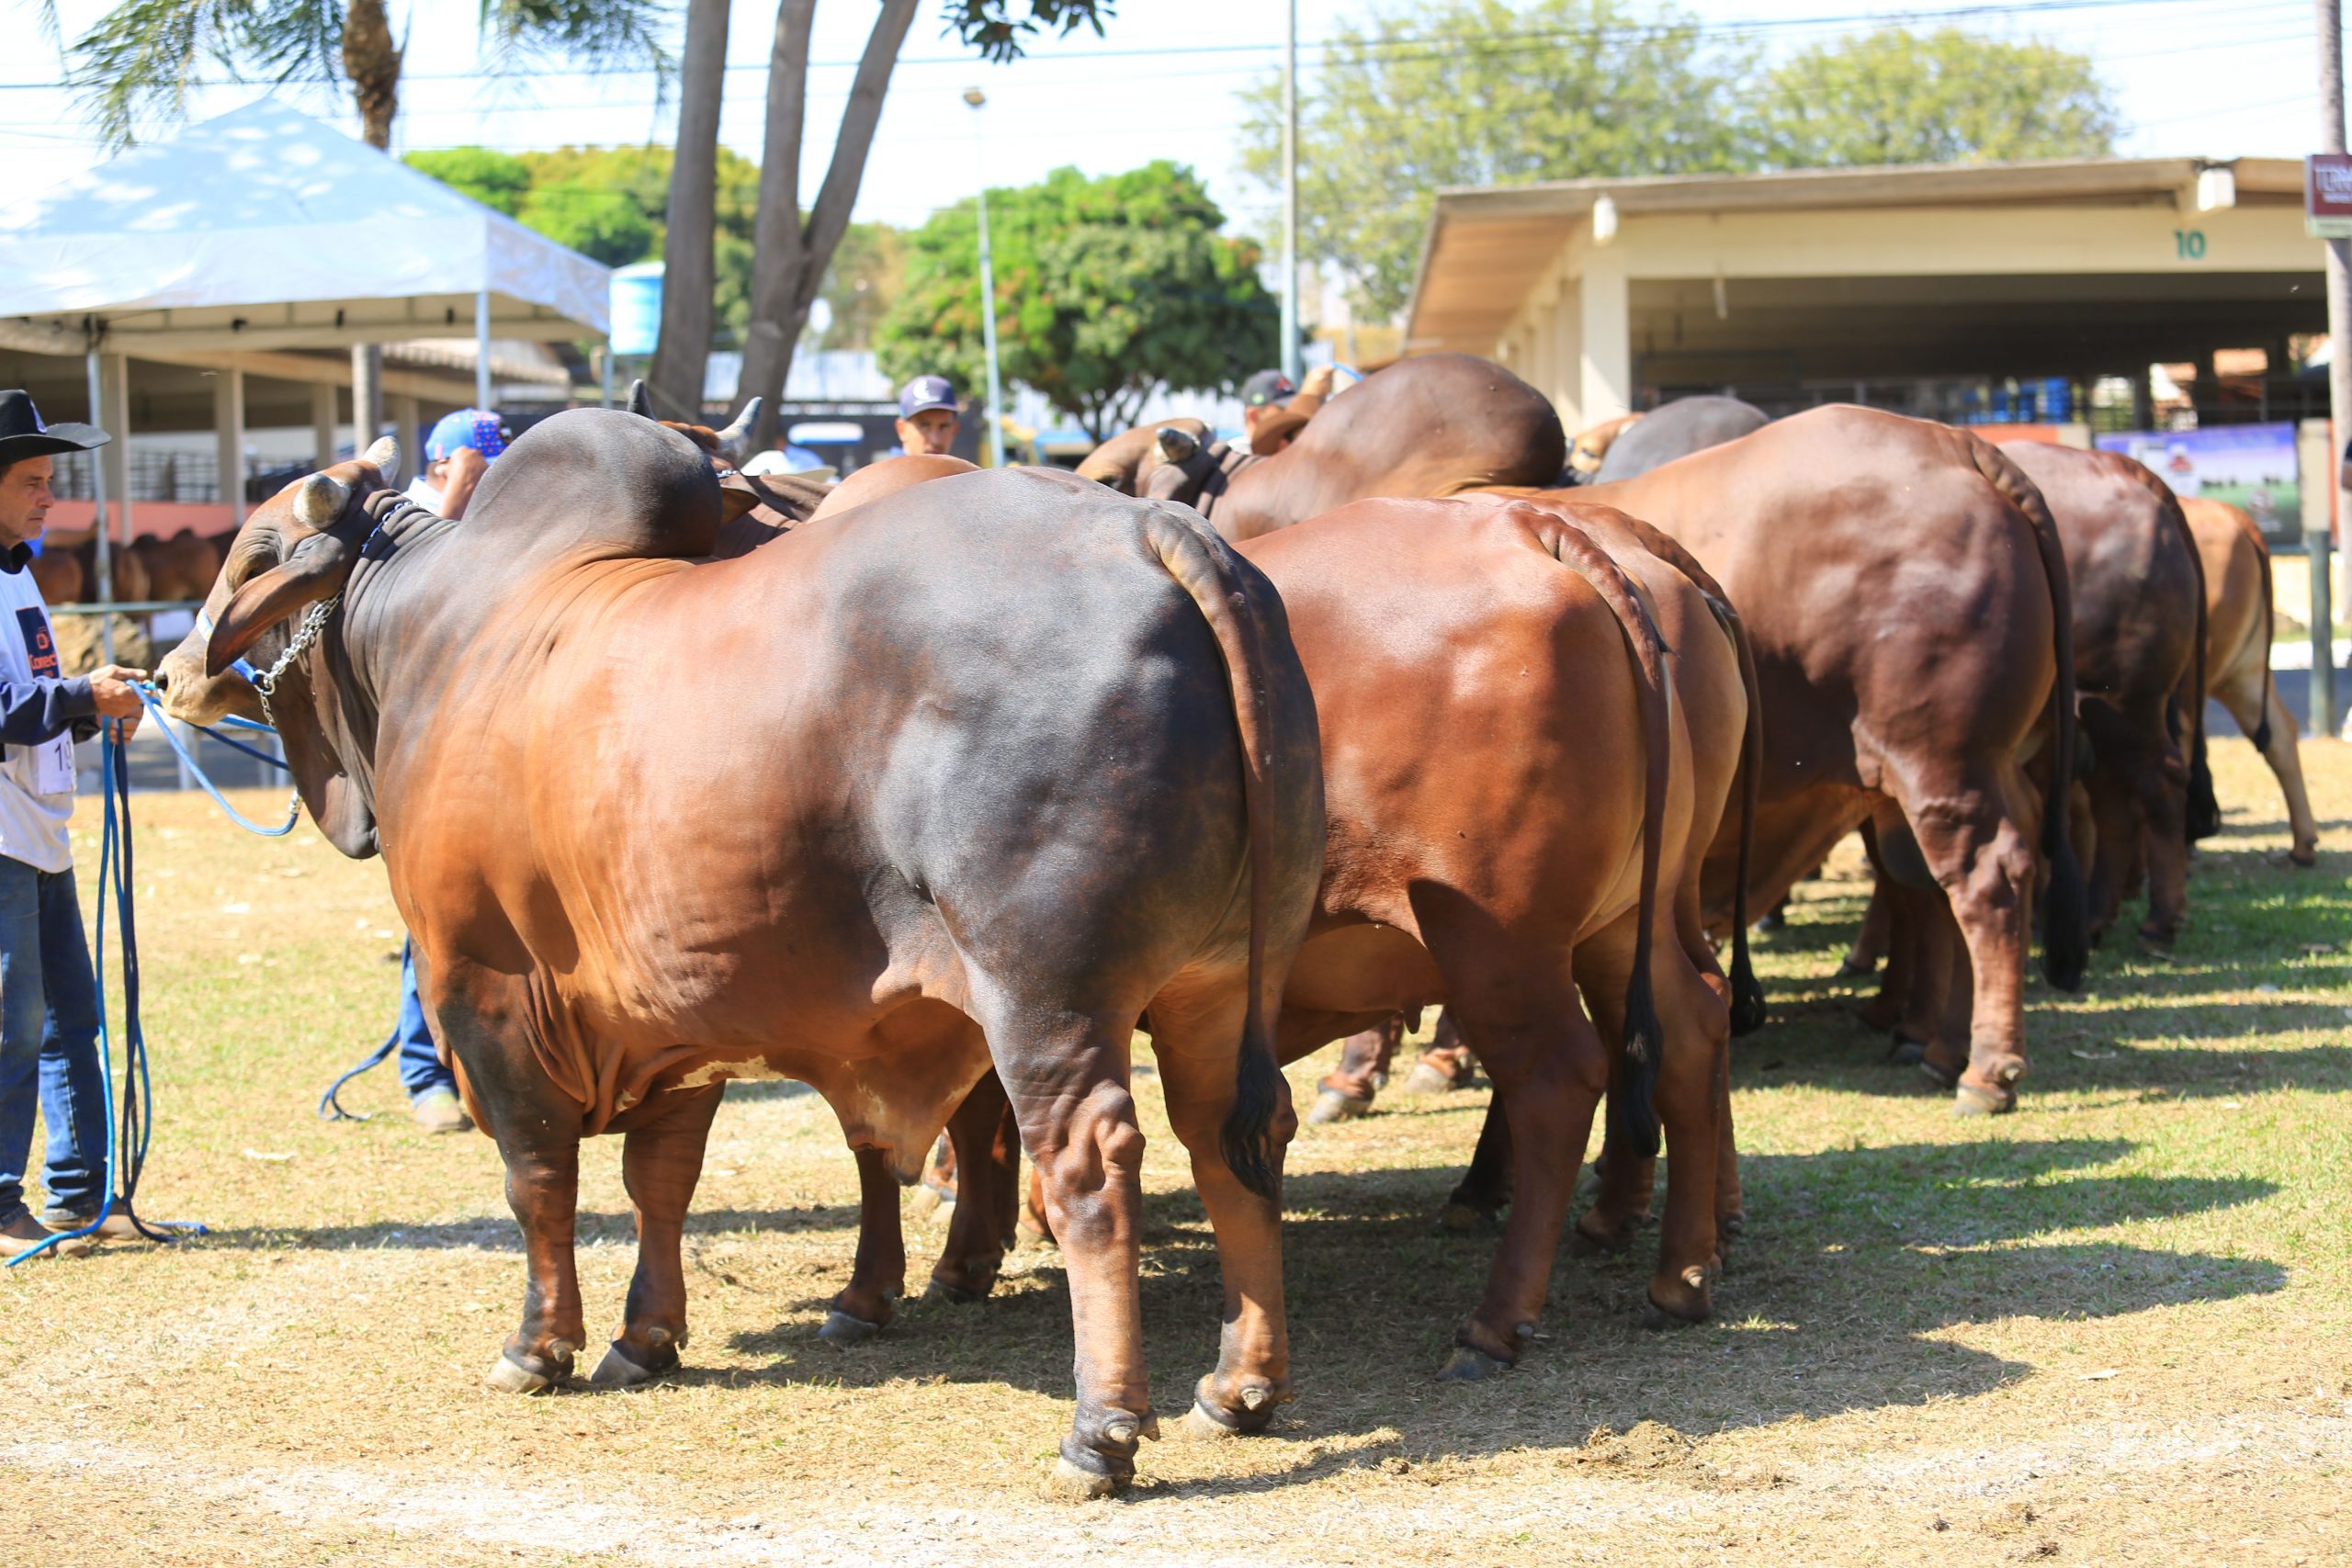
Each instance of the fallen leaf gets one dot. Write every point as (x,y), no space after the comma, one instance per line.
(270,1158)
(2099,1056)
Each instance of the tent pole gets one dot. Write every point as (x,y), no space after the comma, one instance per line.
(105,556)
(481,349)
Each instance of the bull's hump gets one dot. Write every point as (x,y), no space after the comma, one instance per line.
(600,480)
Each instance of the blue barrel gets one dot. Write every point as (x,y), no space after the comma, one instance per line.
(636,307)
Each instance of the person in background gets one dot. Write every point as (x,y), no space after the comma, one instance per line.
(49,993)
(456,453)
(927,416)
(1272,410)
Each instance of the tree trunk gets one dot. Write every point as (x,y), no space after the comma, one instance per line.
(374,67)
(688,272)
(784,283)
(776,236)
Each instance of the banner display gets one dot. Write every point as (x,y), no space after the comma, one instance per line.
(2251,466)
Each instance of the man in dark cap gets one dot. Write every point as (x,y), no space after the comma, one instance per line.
(48,997)
(927,416)
(1273,409)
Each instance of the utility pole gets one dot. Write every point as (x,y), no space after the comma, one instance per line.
(976,98)
(2339,381)
(1290,196)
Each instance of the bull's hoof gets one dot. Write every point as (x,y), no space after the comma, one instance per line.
(1199,1424)
(1467,1218)
(1936,1073)
(1854,967)
(2302,860)
(940,1293)
(508,1375)
(1974,1100)
(1733,1224)
(1686,1300)
(1656,1319)
(2157,944)
(841,1328)
(1332,1106)
(1906,1051)
(1068,1483)
(621,1369)
(1425,1079)
(1470,1364)
(1606,1242)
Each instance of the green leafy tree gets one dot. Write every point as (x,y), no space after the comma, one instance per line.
(794,239)
(139,58)
(1107,289)
(498,180)
(1481,93)
(1941,98)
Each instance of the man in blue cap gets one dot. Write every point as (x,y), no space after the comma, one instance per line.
(927,416)
(48,997)
(456,453)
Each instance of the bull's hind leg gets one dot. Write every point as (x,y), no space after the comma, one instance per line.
(2252,701)
(1066,1076)
(1549,1070)
(1986,868)
(1196,1037)
(661,1161)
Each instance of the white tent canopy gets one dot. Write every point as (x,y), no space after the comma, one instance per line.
(264,230)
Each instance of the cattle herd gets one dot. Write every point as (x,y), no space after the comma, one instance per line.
(933,791)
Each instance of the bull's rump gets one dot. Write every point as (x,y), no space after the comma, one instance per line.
(764,804)
(1895,599)
(1481,727)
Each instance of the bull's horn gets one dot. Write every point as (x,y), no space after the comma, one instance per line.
(384,456)
(1176,446)
(731,439)
(640,402)
(321,501)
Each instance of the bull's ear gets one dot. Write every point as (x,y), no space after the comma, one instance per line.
(736,497)
(272,597)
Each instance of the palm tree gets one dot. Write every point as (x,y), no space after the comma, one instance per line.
(137,61)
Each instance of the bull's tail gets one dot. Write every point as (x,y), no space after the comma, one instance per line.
(2261,736)
(1747,1008)
(2204,806)
(1633,1106)
(2065,915)
(1245,1138)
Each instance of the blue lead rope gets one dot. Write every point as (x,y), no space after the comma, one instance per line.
(293,806)
(126,1135)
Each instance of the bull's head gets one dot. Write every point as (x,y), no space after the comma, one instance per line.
(1189,471)
(298,549)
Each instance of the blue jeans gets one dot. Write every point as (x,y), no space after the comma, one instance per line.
(420,1068)
(49,1045)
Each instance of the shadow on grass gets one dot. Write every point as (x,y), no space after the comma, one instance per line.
(1857,1261)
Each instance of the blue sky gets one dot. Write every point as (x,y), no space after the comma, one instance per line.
(2216,78)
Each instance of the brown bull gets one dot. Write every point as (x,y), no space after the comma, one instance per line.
(1592,444)
(2140,635)
(1906,594)
(964,781)
(1436,425)
(2237,652)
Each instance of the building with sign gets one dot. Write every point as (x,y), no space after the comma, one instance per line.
(1957,292)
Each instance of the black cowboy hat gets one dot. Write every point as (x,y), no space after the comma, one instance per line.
(22,433)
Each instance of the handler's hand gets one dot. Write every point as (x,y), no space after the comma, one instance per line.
(117,696)
(1318,383)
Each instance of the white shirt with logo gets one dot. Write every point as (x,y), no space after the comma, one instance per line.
(36,782)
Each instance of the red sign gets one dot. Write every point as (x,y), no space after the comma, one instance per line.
(2327,194)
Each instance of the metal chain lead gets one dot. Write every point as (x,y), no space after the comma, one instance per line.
(304,635)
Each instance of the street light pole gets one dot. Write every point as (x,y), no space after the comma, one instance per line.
(1290,196)
(976,98)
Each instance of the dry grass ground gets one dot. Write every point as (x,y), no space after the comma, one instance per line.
(2115,1327)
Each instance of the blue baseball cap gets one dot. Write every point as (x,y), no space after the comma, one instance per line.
(477,428)
(926,392)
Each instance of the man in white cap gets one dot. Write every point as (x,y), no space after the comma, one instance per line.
(49,995)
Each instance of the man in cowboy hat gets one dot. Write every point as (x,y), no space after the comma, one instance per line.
(48,997)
